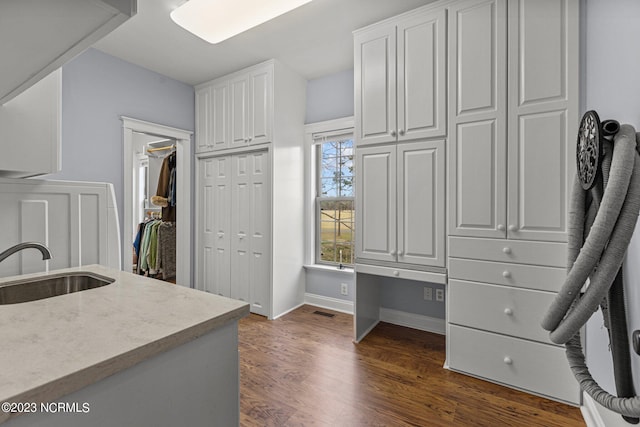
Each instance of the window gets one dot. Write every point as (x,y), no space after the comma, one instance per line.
(334,198)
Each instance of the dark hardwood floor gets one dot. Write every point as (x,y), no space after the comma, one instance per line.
(304,370)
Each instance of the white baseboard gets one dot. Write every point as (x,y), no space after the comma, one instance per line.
(411,320)
(287,311)
(343,306)
(595,415)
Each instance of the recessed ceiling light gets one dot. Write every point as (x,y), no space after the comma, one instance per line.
(218,20)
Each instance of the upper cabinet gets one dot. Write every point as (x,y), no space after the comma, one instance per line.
(45,34)
(511,121)
(400,80)
(237,110)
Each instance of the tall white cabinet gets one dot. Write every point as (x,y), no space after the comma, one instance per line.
(493,140)
(513,115)
(250,213)
(400,123)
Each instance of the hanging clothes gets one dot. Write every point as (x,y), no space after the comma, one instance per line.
(165,193)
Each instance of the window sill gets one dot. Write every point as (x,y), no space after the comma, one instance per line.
(331,268)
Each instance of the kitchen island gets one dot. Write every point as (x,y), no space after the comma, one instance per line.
(134,352)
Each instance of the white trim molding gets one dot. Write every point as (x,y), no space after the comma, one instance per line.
(183,191)
(335,304)
(412,320)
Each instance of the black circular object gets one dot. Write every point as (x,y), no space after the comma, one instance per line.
(589,149)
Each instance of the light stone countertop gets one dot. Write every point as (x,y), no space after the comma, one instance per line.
(54,346)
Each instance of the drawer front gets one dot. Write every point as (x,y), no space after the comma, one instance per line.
(531,366)
(522,276)
(504,250)
(511,311)
(401,273)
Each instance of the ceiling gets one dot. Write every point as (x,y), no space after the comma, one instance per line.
(313,40)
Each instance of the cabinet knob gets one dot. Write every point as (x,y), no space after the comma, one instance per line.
(507,360)
(506,250)
(513,227)
(250,139)
(401,132)
(393,133)
(392,253)
(220,235)
(506,274)
(501,227)
(508,311)
(396,273)
(400,253)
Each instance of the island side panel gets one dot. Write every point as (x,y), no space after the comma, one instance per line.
(196,384)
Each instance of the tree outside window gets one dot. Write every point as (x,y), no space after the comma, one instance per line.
(335,201)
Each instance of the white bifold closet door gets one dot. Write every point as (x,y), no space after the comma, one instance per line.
(234,257)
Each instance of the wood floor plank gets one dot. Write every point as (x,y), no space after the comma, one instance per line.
(304,370)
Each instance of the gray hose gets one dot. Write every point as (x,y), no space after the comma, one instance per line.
(611,229)
(604,248)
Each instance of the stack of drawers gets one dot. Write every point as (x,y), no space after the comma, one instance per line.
(498,292)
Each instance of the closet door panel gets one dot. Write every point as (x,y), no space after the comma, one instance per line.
(477,111)
(241,228)
(421,224)
(219,116)
(260,284)
(376,203)
(261,106)
(239,111)
(221,200)
(421,76)
(375,86)
(206,235)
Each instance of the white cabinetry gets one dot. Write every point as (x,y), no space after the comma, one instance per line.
(400,79)
(513,105)
(30,130)
(250,212)
(236,110)
(400,203)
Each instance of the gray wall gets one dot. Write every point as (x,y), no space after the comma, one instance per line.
(96,90)
(330,97)
(612,61)
(327,283)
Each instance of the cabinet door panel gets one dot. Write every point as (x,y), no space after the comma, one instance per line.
(543,116)
(421,224)
(421,76)
(238,110)
(375,86)
(477,111)
(261,107)
(219,116)
(376,203)
(203,114)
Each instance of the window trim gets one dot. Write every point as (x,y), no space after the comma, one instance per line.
(337,126)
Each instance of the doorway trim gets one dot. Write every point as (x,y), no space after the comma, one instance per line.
(183,190)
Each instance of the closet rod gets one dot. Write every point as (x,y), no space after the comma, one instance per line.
(170,147)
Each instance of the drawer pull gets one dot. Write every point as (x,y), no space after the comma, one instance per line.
(506,274)
(396,273)
(501,227)
(507,360)
(506,250)
(508,311)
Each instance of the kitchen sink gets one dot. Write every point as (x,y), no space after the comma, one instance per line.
(50,286)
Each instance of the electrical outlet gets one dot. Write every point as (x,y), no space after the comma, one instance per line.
(439,294)
(428,293)
(344,289)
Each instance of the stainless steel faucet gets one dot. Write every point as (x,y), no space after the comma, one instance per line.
(46,254)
